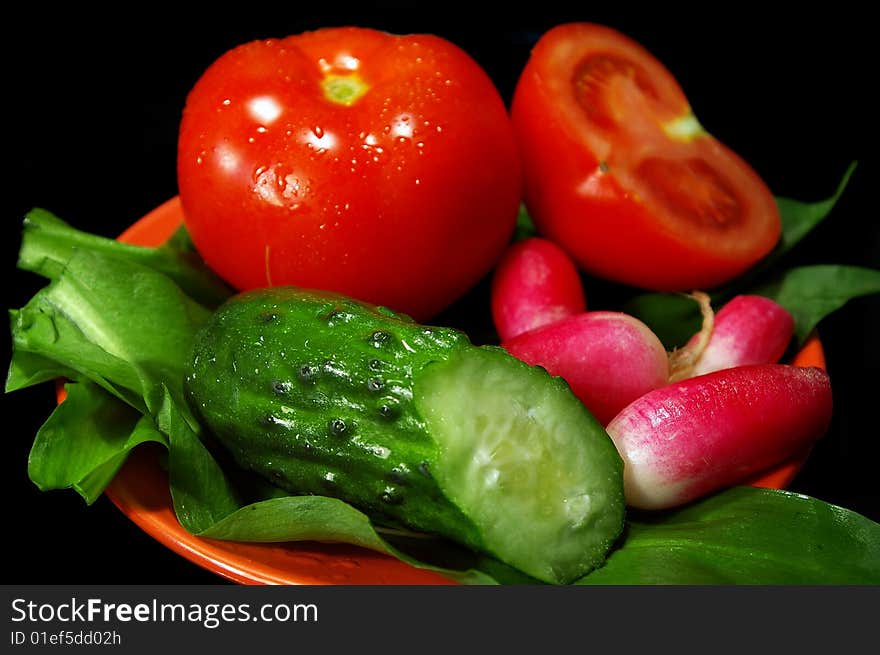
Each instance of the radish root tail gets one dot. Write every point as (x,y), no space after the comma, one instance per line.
(683,360)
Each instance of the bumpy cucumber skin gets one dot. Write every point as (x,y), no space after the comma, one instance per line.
(325,395)
(315,392)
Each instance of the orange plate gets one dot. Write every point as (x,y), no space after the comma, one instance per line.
(140,491)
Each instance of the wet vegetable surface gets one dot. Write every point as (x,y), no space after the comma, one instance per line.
(840,468)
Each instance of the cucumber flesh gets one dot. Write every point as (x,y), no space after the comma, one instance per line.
(524,460)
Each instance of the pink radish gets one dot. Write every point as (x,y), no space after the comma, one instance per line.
(608,358)
(748,330)
(693,437)
(535,283)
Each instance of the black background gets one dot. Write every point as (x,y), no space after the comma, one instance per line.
(91,106)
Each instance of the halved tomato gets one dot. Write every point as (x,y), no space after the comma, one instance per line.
(619,172)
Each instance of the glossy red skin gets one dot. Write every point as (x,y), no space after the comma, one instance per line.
(748,329)
(404,198)
(608,358)
(588,186)
(534,283)
(700,435)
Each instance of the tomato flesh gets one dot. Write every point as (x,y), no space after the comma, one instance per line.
(619,172)
(379,166)
(592,76)
(694,189)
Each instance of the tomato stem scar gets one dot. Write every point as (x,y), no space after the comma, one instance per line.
(684,128)
(344,89)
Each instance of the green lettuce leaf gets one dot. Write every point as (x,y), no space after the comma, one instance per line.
(85,440)
(329,520)
(525,226)
(798,220)
(746,535)
(27,369)
(202,492)
(48,243)
(100,317)
(810,293)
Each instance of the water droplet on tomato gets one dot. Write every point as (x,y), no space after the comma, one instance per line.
(401,127)
(265,182)
(264,109)
(348,62)
(318,138)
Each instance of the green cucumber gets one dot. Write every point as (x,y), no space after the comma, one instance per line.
(414,425)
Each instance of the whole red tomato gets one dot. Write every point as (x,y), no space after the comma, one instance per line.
(619,172)
(379,166)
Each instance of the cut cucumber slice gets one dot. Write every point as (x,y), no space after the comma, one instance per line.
(523,458)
